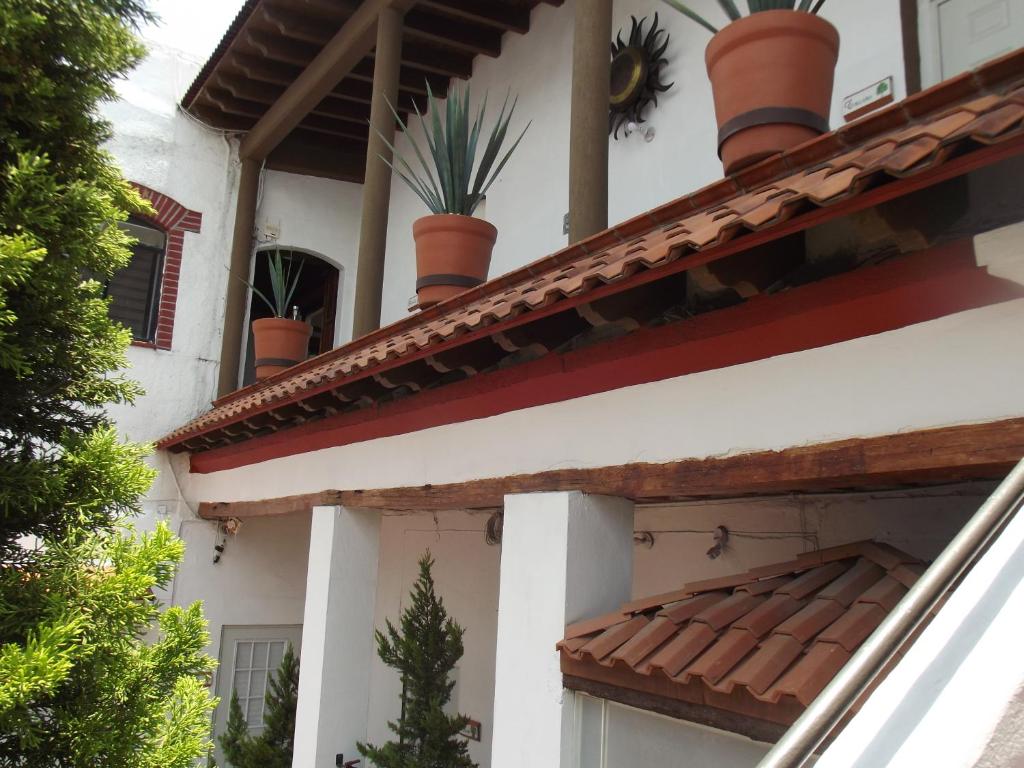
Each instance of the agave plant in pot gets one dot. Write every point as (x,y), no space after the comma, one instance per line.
(279,341)
(771,75)
(453,248)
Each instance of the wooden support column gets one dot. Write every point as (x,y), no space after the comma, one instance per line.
(373,230)
(588,131)
(241,252)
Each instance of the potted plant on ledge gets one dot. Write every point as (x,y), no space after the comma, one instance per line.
(771,75)
(280,342)
(453,248)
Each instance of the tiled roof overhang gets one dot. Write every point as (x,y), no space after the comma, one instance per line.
(762,644)
(970,121)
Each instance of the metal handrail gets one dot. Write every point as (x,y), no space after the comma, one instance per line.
(818,720)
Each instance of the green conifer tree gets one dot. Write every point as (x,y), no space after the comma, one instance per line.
(235,740)
(424,651)
(274,746)
(79,683)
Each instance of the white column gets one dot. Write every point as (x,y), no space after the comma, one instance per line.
(564,557)
(337,636)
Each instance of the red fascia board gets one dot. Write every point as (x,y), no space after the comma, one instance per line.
(903,186)
(871,300)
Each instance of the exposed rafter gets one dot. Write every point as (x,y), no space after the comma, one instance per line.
(351,43)
(307,65)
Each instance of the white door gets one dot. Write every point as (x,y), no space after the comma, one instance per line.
(958,35)
(248,657)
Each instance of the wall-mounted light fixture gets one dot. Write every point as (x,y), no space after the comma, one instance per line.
(495,523)
(721,538)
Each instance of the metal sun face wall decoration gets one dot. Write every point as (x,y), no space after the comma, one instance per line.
(636,74)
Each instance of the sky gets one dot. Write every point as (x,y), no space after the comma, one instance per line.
(192,26)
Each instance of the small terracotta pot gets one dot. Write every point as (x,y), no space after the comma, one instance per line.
(771,76)
(279,344)
(453,254)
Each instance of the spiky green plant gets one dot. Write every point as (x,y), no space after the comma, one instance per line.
(282,282)
(453,147)
(756,6)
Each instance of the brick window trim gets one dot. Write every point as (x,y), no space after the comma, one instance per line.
(175,220)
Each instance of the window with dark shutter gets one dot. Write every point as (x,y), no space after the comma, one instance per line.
(135,290)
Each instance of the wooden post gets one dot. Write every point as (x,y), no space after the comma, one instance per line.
(241,253)
(373,230)
(588,132)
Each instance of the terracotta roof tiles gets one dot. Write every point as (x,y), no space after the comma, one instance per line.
(779,636)
(922,132)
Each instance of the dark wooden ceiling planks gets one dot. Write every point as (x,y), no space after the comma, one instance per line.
(271,42)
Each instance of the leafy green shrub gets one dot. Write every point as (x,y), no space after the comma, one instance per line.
(79,683)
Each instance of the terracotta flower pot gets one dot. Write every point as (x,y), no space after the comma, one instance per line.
(279,344)
(453,253)
(771,75)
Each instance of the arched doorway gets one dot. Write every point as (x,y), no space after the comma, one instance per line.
(316,298)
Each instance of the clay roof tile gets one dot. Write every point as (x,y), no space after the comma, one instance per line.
(923,131)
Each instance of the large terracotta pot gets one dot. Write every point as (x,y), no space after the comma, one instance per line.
(453,253)
(279,344)
(771,75)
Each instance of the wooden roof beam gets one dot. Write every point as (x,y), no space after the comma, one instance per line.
(410,79)
(419,25)
(314,155)
(316,122)
(440,61)
(333,106)
(428,57)
(278,48)
(354,88)
(451,33)
(346,49)
(496,15)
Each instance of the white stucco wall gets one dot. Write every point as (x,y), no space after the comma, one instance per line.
(261,576)
(778,528)
(611,735)
(921,376)
(529,199)
(466,576)
(156,145)
(317,215)
(955,698)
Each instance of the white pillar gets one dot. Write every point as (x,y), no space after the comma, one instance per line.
(337,636)
(564,557)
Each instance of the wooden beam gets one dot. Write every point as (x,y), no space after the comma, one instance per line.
(377,178)
(259,95)
(346,49)
(926,457)
(507,18)
(436,59)
(451,33)
(447,31)
(742,723)
(237,293)
(317,155)
(326,118)
(588,121)
(355,87)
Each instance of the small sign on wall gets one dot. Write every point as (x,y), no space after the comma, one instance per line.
(876,95)
(471,731)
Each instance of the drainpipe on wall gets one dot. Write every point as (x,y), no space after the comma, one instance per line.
(588,131)
(237,292)
(373,230)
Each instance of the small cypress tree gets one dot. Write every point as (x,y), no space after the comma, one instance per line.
(236,739)
(424,652)
(273,748)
